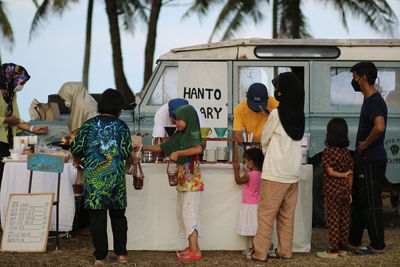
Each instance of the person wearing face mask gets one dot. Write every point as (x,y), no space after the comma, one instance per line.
(370,163)
(12,80)
(252,113)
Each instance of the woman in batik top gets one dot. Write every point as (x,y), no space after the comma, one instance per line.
(101,146)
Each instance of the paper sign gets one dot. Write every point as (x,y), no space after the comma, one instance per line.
(205,86)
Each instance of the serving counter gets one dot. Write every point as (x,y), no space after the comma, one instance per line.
(152,221)
(16,180)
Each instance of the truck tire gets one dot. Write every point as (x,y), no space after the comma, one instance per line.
(318,217)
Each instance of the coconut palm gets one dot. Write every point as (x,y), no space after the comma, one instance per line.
(288,19)
(6,31)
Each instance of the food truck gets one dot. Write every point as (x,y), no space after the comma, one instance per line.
(214,77)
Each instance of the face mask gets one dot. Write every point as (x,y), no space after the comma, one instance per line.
(18,88)
(67,104)
(355,85)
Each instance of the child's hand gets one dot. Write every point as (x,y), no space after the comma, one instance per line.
(174,156)
(235,166)
(349,174)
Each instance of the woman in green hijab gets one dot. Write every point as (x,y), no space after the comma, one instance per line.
(185,148)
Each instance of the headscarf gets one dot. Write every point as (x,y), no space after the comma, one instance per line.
(187,138)
(174,104)
(10,74)
(83,106)
(291,104)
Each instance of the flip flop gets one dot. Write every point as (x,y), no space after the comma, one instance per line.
(189,256)
(325,255)
(257,260)
(182,252)
(122,259)
(100,262)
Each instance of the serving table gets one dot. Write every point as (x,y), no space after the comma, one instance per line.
(152,223)
(16,180)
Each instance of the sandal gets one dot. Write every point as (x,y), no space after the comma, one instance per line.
(100,262)
(273,255)
(343,253)
(122,258)
(325,255)
(367,250)
(182,252)
(189,256)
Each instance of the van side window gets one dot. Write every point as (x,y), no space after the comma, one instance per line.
(166,87)
(341,92)
(249,75)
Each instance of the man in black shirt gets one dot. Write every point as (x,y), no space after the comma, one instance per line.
(370,163)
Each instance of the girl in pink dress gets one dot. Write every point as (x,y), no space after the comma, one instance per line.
(253,159)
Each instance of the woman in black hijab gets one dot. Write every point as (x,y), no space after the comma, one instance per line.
(281,137)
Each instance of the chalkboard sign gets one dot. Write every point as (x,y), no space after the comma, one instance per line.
(27,222)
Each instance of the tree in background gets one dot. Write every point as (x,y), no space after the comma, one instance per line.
(288,20)
(6,32)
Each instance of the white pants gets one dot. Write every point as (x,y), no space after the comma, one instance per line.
(188,212)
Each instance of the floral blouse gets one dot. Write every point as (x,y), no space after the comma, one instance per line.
(189,176)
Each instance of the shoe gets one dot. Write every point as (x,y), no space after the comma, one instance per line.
(367,250)
(325,255)
(273,255)
(189,256)
(182,252)
(257,260)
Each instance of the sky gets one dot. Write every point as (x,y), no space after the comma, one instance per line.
(55,54)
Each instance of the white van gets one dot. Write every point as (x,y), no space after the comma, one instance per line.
(323,65)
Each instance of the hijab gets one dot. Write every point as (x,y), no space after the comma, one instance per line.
(291,104)
(10,75)
(82,104)
(187,138)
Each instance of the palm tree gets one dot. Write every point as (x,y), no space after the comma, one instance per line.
(88,41)
(6,31)
(287,17)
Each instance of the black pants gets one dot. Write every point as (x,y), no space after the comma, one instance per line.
(4,152)
(367,210)
(98,227)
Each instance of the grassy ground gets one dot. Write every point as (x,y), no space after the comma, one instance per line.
(77,251)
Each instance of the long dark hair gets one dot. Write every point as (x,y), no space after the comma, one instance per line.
(255,155)
(337,133)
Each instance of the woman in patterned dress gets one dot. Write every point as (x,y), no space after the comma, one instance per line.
(185,148)
(101,145)
(338,180)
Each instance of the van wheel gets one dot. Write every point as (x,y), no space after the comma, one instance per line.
(318,217)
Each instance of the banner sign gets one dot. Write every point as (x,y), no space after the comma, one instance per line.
(205,86)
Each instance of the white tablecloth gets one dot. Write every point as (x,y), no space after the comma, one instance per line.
(16,180)
(152,221)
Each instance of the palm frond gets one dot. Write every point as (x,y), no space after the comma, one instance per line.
(6,30)
(292,22)
(377,14)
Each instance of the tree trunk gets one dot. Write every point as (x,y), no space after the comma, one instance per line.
(295,26)
(275,19)
(120,80)
(151,40)
(86,61)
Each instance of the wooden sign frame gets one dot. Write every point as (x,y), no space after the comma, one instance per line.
(16,238)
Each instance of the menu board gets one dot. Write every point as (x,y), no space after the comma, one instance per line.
(27,222)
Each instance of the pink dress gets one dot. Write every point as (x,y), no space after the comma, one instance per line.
(247,225)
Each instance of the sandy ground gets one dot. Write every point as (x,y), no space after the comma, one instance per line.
(77,251)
